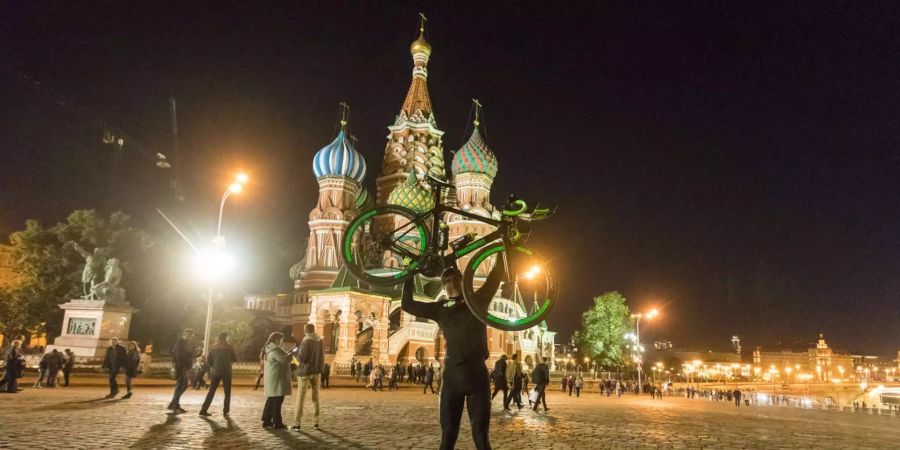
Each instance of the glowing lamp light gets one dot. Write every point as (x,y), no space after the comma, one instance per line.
(213,265)
(235,188)
(653,313)
(532,272)
(242,178)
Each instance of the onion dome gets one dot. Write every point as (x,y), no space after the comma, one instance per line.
(296,270)
(411,194)
(475,156)
(420,45)
(364,200)
(339,158)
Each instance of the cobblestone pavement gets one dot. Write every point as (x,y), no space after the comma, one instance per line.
(355,418)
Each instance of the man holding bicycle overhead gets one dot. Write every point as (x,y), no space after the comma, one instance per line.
(465,377)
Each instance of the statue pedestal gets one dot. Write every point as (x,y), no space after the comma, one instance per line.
(88,325)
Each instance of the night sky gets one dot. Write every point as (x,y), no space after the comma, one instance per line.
(736,165)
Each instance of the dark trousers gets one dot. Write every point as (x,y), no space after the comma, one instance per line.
(516,395)
(66,373)
(465,386)
(113,385)
(429,385)
(505,390)
(213,385)
(737,400)
(272,411)
(181,385)
(577,392)
(542,396)
(51,376)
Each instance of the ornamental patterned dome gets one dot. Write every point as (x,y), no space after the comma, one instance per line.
(339,158)
(475,156)
(412,195)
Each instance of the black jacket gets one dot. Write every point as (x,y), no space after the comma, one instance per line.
(499,374)
(221,357)
(311,356)
(132,362)
(541,374)
(464,334)
(183,355)
(116,358)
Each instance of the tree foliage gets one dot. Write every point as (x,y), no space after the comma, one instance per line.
(50,269)
(603,329)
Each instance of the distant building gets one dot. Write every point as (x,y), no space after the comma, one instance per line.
(8,274)
(818,363)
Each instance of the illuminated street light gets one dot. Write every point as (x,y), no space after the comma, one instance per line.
(215,264)
(637,330)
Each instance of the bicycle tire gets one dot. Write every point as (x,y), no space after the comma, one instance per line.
(516,324)
(382,276)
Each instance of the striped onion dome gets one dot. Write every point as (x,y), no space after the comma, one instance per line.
(411,194)
(475,156)
(339,158)
(364,200)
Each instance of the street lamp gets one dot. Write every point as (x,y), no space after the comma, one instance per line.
(637,330)
(218,262)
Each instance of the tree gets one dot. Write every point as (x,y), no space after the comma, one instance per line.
(603,329)
(232,319)
(50,270)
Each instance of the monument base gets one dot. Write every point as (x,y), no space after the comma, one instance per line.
(88,326)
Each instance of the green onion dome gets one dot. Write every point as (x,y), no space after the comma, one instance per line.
(475,156)
(411,194)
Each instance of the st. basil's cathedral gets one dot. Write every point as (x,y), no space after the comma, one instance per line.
(360,321)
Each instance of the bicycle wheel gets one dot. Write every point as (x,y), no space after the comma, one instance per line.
(527,296)
(384,246)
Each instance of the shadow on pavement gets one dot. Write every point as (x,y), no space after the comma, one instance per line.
(159,435)
(227,436)
(333,441)
(79,404)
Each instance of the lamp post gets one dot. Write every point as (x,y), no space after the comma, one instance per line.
(218,242)
(637,331)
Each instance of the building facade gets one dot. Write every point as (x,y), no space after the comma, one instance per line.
(361,321)
(818,363)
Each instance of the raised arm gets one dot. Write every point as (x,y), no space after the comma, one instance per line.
(489,288)
(418,309)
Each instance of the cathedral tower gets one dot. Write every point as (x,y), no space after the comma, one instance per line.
(339,170)
(414,142)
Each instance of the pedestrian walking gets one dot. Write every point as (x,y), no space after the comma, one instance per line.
(114,361)
(540,376)
(579,383)
(571,384)
(498,376)
(311,357)
(262,367)
(132,362)
(465,375)
(326,376)
(68,365)
(737,397)
(429,380)
(182,359)
(277,381)
(15,366)
(514,378)
(564,381)
(221,359)
(42,372)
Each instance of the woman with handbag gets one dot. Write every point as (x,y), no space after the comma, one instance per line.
(132,361)
(277,380)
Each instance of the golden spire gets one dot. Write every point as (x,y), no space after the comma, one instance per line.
(477,106)
(420,45)
(345,114)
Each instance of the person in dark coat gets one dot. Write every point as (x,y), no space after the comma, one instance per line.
(465,374)
(500,384)
(311,356)
(326,375)
(68,365)
(540,376)
(15,365)
(429,380)
(132,362)
(182,360)
(114,361)
(54,363)
(514,377)
(221,357)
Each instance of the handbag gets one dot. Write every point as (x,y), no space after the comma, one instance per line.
(533,395)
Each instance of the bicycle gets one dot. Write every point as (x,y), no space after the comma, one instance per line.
(387,245)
